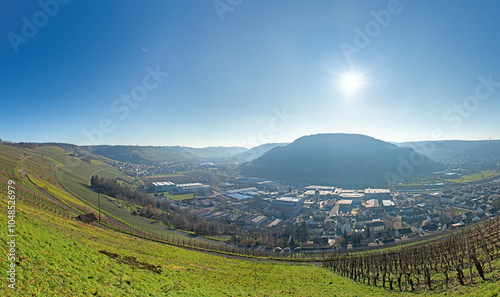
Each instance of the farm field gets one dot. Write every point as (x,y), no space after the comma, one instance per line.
(175,178)
(477,176)
(179,197)
(470,178)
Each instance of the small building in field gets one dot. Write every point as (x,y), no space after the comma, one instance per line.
(87,218)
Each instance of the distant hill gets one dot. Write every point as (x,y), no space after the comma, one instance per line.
(256,152)
(457,150)
(347,160)
(138,154)
(211,152)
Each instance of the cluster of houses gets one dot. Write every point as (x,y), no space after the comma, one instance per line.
(378,214)
(331,213)
(152,168)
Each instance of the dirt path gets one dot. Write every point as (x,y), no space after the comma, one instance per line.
(24,175)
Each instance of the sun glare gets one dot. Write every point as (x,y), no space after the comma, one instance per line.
(351,83)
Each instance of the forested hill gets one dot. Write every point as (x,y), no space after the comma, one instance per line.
(256,152)
(347,160)
(139,154)
(458,150)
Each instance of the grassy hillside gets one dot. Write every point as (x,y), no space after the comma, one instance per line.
(59,256)
(62,257)
(70,182)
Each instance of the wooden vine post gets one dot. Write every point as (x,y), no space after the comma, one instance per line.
(470,265)
(405,271)
(484,247)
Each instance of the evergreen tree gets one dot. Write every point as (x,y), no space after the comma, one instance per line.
(305,232)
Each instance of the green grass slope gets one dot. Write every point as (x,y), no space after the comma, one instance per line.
(59,256)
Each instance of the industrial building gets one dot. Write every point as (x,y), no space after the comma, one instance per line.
(192,188)
(241,194)
(355,197)
(164,186)
(286,207)
(181,188)
(345,206)
(381,194)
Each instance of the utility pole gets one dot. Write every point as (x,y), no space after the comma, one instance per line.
(99,202)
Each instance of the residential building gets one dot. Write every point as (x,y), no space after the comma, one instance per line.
(360,221)
(375,227)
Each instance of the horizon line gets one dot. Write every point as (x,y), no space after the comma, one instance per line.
(225,146)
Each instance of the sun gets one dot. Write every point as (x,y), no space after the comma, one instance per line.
(351,83)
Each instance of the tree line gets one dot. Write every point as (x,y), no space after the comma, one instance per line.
(157,209)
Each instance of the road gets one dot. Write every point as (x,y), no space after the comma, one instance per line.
(24,175)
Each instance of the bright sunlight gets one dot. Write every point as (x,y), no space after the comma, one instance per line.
(351,83)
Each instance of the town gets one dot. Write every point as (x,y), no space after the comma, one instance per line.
(265,214)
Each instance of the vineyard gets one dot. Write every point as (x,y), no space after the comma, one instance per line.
(41,168)
(9,160)
(455,260)
(63,201)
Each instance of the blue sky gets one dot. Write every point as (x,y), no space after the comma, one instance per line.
(242,73)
